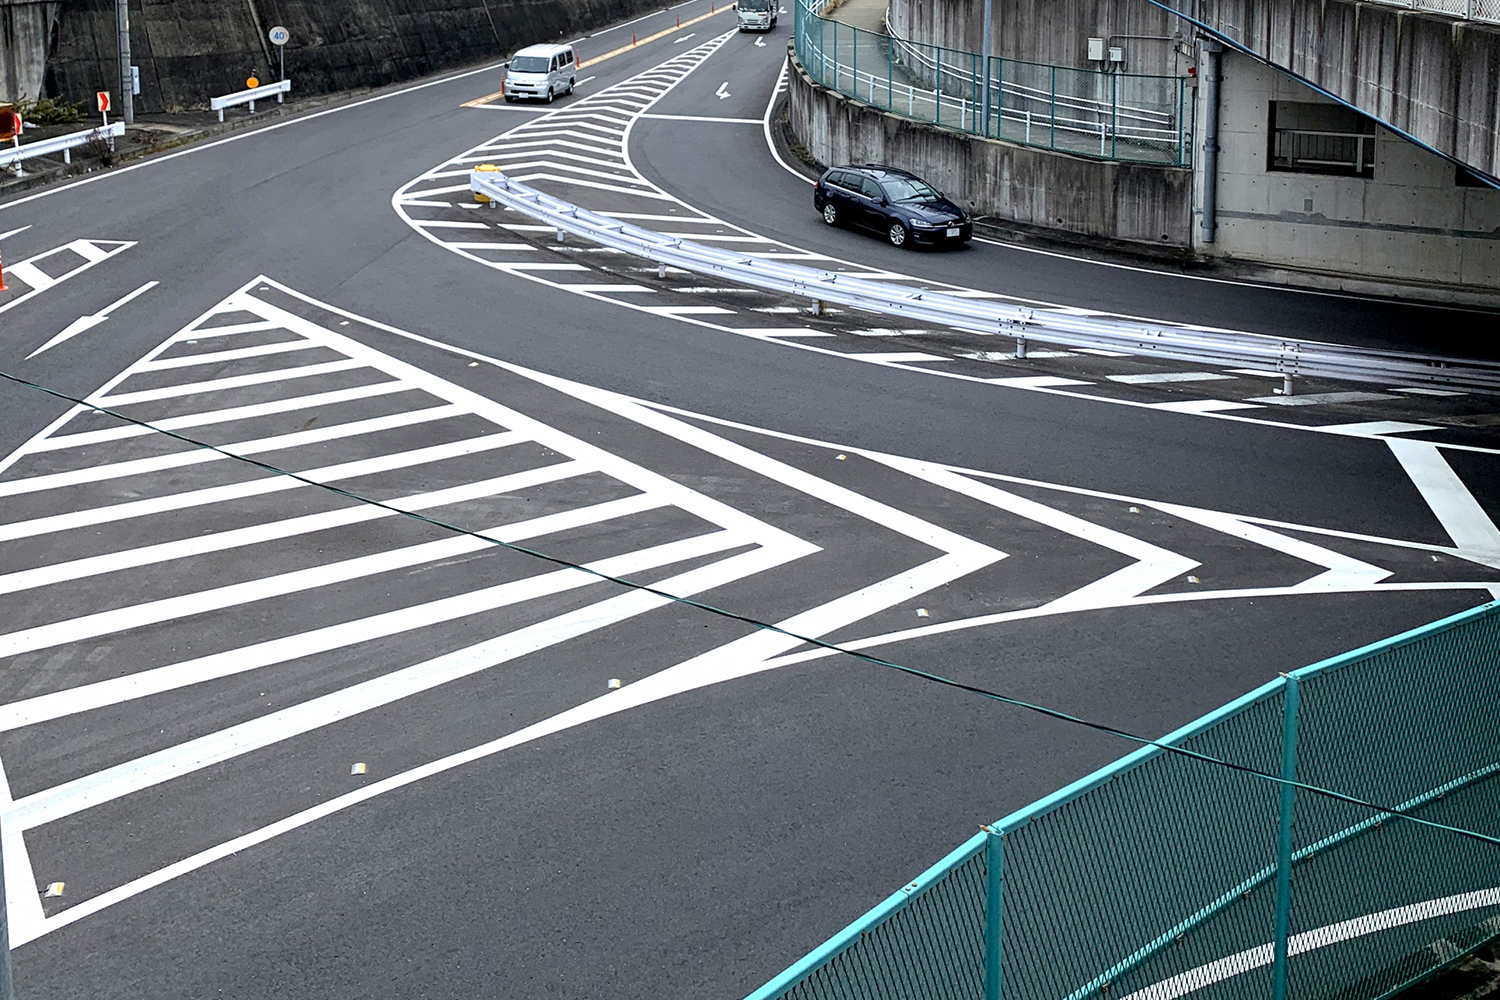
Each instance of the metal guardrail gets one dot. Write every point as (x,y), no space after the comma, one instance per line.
(64,144)
(1291,358)
(1161,877)
(278,90)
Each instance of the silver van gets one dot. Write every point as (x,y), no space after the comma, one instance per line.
(541,71)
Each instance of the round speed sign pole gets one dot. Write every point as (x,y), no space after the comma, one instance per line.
(279,37)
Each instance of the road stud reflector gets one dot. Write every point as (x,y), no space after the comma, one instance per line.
(358,769)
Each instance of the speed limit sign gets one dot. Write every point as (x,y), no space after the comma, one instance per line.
(279,35)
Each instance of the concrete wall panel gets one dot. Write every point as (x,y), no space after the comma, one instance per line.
(1036,187)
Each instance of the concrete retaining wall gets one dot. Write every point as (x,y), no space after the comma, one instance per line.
(191,50)
(25,30)
(1411,222)
(1035,187)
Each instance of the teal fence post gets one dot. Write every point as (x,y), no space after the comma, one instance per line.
(994,868)
(1284,839)
(854,66)
(890,73)
(937,92)
(1052,142)
(999,97)
(1114,113)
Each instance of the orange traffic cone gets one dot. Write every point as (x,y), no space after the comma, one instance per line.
(2,273)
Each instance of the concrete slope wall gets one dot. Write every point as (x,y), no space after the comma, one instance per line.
(1051,31)
(1036,187)
(1432,77)
(191,50)
(25,30)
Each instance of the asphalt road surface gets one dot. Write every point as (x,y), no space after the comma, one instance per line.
(275,739)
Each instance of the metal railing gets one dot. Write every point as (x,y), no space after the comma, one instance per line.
(1473,10)
(64,144)
(1162,876)
(278,90)
(1336,152)
(1116,116)
(1292,358)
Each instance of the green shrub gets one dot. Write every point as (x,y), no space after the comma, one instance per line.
(45,111)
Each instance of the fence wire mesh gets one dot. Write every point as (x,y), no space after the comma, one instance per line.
(1165,876)
(1116,116)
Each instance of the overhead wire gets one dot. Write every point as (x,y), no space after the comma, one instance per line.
(757,623)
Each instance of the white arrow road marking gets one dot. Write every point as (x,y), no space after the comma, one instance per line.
(85,323)
(760,43)
(30,274)
(684,38)
(13,232)
(723,90)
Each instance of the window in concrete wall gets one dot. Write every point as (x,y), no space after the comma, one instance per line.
(1321,139)
(1466,178)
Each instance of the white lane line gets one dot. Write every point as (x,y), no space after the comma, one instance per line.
(13,232)
(228,330)
(218,357)
(1204,406)
(200,456)
(1445,494)
(441,224)
(772,332)
(1036,381)
(703,118)
(22,902)
(219,385)
(1320,398)
(255,487)
(1341,572)
(1428,392)
(1100,352)
(688,310)
(765,125)
(527,266)
(508,247)
(605,288)
(39,281)
(111,783)
(1155,377)
(351,633)
(58,442)
(1376,428)
(220,541)
(85,323)
(896,357)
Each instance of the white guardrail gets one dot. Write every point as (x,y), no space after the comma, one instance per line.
(64,144)
(1292,358)
(278,90)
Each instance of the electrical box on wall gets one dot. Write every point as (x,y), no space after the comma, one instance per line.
(1116,54)
(1096,49)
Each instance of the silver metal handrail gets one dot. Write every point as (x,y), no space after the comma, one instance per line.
(1292,358)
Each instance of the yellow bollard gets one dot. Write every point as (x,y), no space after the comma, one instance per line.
(484,199)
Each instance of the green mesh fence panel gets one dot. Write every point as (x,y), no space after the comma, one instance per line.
(1115,116)
(1158,876)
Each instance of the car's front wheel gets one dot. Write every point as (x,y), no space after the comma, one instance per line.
(897,234)
(550,95)
(830,213)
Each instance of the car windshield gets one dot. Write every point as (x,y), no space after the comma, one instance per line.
(755,5)
(529,64)
(909,189)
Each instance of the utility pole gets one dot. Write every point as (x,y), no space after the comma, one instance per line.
(127,81)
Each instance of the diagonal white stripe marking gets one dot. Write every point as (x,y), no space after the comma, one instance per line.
(255,487)
(219,357)
(200,456)
(114,782)
(219,385)
(1450,500)
(220,541)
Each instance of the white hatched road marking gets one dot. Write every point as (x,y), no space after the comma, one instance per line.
(956,557)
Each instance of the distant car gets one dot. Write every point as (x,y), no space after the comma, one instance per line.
(541,71)
(757,15)
(901,206)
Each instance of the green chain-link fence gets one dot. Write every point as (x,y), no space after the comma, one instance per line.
(1164,876)
(1115,116)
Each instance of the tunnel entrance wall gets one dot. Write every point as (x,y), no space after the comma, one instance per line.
(1142,203)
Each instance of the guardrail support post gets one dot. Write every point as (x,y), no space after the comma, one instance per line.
(1284,838)
(1288,384)
(994,872)
(1021,345)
